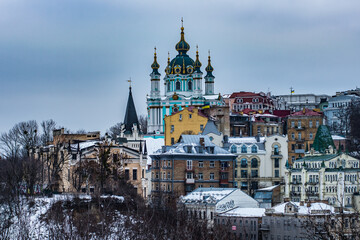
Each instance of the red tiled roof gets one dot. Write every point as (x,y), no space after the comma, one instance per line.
(306,112)
(282,113)
(243,94)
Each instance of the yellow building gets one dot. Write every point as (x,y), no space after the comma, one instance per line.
(187,121)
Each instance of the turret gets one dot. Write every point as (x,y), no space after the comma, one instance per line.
(197,75)
(155,78)
(209,78)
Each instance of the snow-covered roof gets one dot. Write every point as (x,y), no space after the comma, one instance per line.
(318,206)
(210,127)
(190,144)
(337,137)
(203,194)
(152,145)
(268,188)
(84,145)
(244,212)
(241,140)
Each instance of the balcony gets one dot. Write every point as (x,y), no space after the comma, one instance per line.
(300,140)
(296,182)
(190,181)
(264,227)
(299,150)
(312,183)
(295,194)
(224,181)
(188,169)
(224,169)
(301,128)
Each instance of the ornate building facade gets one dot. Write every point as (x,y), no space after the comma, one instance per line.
(183,83)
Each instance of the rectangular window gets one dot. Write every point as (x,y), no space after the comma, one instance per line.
(201,127)
(168,175)
(127,174)
(292,124)
(134,174)
(169,163)
(277,173)
(212,164)
(292,147)
(254,173)
(299,124)
(172,128)
(317,123)
(189,175)
(201,176)
(310,124)
(190,115)
(172,141)
(276,162)
(201,164)
(244,173)
(212,176)
(299,136)
(310,136)
(189,164)
(180,117)
(74,156)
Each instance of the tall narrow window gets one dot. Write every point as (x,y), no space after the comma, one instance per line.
(189,164)
(190,85)
(177,85)
(168,86)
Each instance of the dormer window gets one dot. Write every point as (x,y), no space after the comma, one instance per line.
(244,149)
(254,149)
(233,149)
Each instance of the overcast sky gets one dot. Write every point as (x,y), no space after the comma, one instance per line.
(69,60)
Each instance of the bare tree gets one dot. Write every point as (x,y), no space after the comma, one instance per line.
(47,127)
(10,144)
(143,123)
(354,112)
(115,130)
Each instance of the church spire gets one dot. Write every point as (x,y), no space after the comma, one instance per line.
(197,63)
(130,114)
(182,46)
(155,66)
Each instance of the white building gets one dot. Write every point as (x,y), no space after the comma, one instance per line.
(205,203)
(297,102)
(333,177)
(261,161)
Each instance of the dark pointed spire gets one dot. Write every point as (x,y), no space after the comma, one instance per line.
(209,69)
(155,66)
(130,114)
(182,46)
(197,63)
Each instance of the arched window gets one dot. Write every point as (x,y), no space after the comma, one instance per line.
(254,149)
(254,163)
(190,85)
(244,163)
(177,85)
(276,150)
(244,149)
(233,149)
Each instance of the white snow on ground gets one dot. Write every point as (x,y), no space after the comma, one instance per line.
(29,219)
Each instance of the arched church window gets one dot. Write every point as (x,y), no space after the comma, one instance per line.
(233,149)
(190,85)
(177,85)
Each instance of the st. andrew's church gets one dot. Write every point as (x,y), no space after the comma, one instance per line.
(183,86)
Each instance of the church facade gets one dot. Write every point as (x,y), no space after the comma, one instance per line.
(183,87)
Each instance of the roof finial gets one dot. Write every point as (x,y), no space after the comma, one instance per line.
(129,81)
(182,22)
(209,55)
(155,50)
(168,57)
